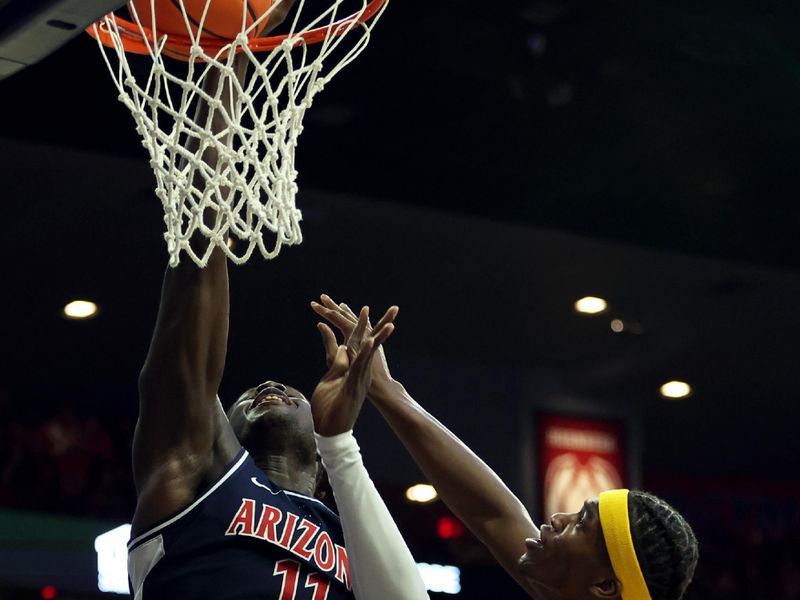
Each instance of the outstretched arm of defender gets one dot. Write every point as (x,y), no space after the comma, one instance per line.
(469,487)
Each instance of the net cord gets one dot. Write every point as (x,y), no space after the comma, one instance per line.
(251,187)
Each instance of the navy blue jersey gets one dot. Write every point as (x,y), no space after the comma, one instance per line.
(243,539)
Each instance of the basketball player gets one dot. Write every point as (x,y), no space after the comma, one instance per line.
(225,502)
(225,505)
(628,545)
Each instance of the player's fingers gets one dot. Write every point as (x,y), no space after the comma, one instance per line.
(354,341)
(345,316)
(327,301)
(331,304)
(382,334)
(344,310)
(347,310)
(388,317)
(352,316)
(357,337)
(341,307)
(340,364)
(364,348)
(359,369)
(337,319)
(328,342)
(325,304)
(349,314)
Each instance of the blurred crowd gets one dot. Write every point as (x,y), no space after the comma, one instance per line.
(67,463)
(74,463)
(734,569)
(749,539)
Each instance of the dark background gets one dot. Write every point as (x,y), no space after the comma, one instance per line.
(482,167)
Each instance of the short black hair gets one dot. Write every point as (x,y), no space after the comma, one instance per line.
(665,544)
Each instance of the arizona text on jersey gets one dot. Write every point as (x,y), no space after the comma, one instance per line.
(243,539)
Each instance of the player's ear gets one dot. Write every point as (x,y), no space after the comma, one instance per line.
(606,588)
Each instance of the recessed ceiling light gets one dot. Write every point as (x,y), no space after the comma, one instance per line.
(591,305)
(80,309)
(617,325)
(676,389)
(422,492)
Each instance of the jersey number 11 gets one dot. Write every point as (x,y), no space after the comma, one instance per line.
(290,571)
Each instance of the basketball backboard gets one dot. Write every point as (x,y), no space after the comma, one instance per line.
(30,30)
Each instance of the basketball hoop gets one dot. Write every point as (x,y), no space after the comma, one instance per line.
(252,186)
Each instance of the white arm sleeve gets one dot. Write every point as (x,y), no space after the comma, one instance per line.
(381,565)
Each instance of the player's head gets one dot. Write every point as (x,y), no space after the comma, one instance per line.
(573,559)
(273,420)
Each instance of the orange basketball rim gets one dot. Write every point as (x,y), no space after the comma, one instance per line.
(140,39)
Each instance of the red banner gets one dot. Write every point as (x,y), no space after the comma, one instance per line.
(578,459)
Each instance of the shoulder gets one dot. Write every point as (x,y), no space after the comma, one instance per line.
(171,495)
(180,475)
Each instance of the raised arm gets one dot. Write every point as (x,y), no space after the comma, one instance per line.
(381,565)
(468,486)
(182,437)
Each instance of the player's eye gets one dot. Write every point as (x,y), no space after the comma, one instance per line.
(581,519)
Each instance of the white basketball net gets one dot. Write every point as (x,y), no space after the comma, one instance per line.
(251,187)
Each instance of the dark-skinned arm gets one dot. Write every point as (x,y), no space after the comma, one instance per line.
(182,436)
(181,375)
(466,484)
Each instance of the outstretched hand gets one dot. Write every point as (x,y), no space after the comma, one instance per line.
(345,320)
(338,397)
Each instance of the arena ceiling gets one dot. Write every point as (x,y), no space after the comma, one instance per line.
(662,129)
(669,124)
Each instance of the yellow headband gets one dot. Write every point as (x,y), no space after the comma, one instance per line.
(617,533)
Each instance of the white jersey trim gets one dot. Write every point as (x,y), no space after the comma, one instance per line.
(141,561)
(194,504)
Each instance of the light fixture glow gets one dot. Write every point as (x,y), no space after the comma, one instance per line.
(80,309)
(445,579)
(112,559)
(676,389)
(49,592)
(422,492)
(591,305)
(617,325)
(449,528)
